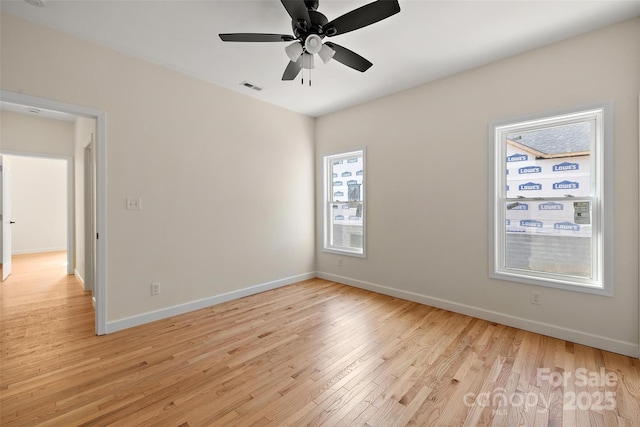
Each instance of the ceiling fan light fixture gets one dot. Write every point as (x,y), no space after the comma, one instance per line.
(326,53)
(294,50)
(313,44)
(307,61)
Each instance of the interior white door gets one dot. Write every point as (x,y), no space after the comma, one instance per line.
(5,211)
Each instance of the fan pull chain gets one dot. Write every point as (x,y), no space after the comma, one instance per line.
(302,76)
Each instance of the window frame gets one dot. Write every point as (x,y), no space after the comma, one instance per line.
(601,197)
(327,223)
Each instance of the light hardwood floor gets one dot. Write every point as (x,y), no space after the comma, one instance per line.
(312,353)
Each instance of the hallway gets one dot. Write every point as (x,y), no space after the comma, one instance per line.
(40,303)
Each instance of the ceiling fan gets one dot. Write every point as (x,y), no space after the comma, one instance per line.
(310,27)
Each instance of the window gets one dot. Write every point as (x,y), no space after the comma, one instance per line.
(551,205)
(344,212)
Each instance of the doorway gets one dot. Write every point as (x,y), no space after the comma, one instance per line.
(97,242)
(41,203)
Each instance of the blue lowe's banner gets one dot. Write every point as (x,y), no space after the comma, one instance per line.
(517,157)
(550,206)
(566,185)
(520,207)
(566,167)
(553,218)
(567,226)
(529,169)
(530,186)
(531,223)
(571,174)
(347,174)
(544,178)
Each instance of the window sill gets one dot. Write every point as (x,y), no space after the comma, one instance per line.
(552,283)
(344,251)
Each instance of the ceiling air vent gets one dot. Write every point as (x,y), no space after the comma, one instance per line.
(250,86)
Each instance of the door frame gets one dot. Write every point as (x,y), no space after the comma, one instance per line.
(100,143)
(89,216)
(5,184)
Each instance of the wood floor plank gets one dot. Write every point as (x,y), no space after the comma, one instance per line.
(312,353)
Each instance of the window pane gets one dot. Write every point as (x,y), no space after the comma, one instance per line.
(550,237)
(345,199)
(346,184)
(347,225)
(549,162)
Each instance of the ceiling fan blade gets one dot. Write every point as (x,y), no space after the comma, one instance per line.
(256,37)
(292,70)
(297,10)
(349,58)
(361,17)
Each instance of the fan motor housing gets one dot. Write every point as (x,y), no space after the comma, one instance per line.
(318,20)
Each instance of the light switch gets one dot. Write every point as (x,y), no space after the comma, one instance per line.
(134,203)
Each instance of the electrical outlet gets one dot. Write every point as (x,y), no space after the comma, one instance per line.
(155,289)
(339,262)
(134,203)
(535,298)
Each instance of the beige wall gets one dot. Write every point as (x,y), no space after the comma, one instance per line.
(429,241)
(35,135)
(39,204)
(224,179)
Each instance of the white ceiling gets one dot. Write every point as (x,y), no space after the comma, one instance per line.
(427,40)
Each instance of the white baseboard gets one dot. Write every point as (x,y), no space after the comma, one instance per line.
(175,310)
(605,343)
(38,251)
(78,276)
(616,346)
